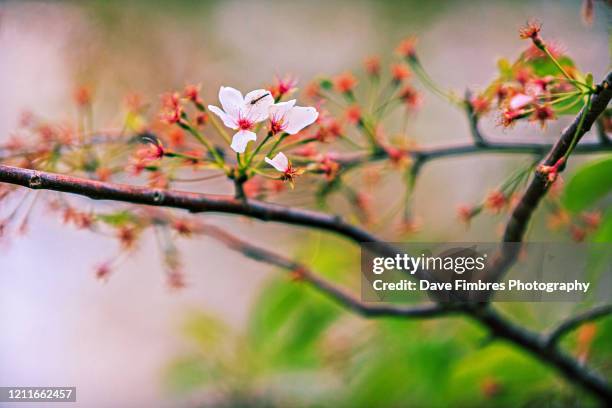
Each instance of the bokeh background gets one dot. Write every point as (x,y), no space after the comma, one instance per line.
(239,332)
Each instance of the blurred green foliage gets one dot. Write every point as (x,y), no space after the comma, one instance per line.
(301,349)
(588,184)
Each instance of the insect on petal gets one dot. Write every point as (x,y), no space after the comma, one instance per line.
(257,104)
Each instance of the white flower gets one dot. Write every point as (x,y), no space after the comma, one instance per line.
(280,162)
(242,113)
(288,118)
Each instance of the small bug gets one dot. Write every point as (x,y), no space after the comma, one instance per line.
(254,101)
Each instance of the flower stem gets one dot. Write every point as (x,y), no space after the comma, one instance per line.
(562,70)
(257,149)
(585,110)
(429,83)
(185,125)
(219,129)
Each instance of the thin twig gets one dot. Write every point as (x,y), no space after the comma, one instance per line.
(576,321)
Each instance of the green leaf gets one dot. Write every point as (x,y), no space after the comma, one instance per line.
(544,66)
(326,84)
(604,232)
(117,218)
(505,68)
(570,106)
(589,184)
(187,374)
(206,331)
(498,375)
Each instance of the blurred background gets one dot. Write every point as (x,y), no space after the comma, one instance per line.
(241,333)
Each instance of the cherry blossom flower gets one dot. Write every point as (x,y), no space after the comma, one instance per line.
(465,213)
(542,113)
(530,30)
(104,173)
(176,137)
(288,118)
(495,201)
(372,66)
(577,233)
(172,111)
(411,97)
(400,72)
(192,92)
(406,48)
(480,104)
(127,237)
(82,96)
(103,271)
(185,227)
(329,167)
(509,117)
(353,114)
(281,163)
(551,172)
(242,113)
(345,83)
(283,86)
(397,156)
(410,225)
(592,219)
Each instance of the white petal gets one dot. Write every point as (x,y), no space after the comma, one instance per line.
(299,117)
(257,104)
(279,162)
(279,110)
(520,100)
(241,139)
(255,95)
(231,99)
(227,119)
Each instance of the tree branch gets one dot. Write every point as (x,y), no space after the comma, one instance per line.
(538,345)
(576,321)
(462,149)
(193,202)
(499,326)
(337,293)
(539,185)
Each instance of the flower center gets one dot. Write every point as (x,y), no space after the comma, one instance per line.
(245,124)
(277,125)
